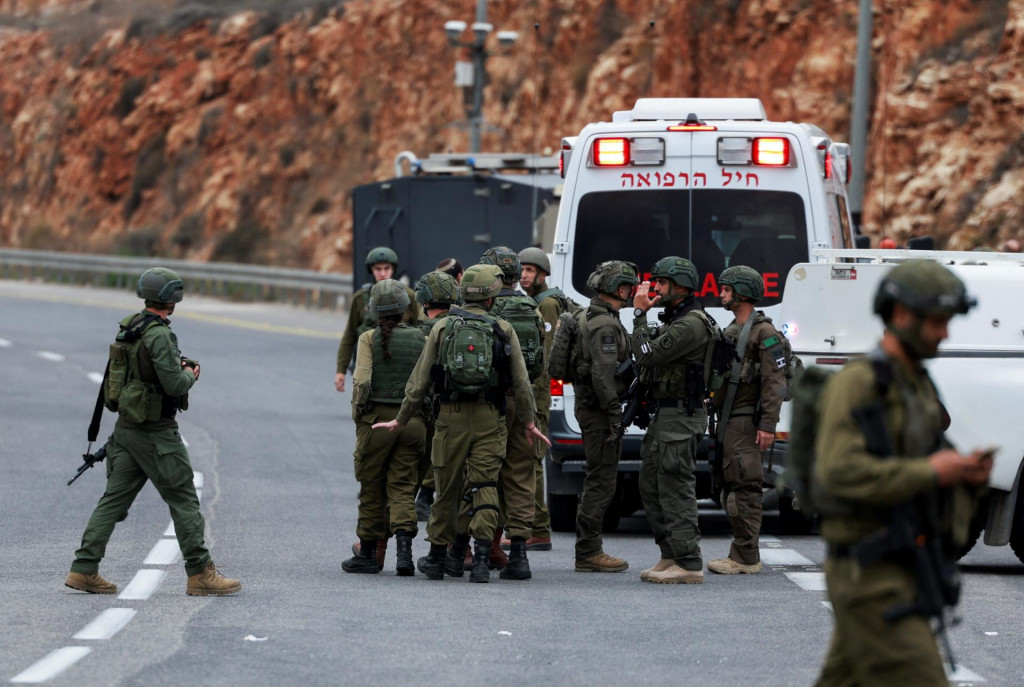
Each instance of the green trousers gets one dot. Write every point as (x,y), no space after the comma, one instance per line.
(134,456)
(469,445)
(668,485)
(387,467)
(541,517)
(517,477)
(867,649)
(601,472)
(742,477)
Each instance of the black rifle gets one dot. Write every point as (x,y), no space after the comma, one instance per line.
(639,404)
(88,460)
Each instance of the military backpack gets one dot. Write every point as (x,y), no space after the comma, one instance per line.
(123,390)
(567,347)
(473,349)
(521,313)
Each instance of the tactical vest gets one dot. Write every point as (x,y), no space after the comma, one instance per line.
(387,385)
(687,380)
(427,325)
(565,304)
(132,388)
(520,311)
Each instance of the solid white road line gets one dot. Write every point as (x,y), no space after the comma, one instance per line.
(166,552)
(197,478)
(4,343)
(107,624)
(143,585)
(784,557)
(169,532)
(52,665)
(811,581)
(96,377)
(47,355)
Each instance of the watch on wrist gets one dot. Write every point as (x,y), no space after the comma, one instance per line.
(637,312)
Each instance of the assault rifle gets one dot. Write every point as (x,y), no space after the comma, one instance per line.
(639,405)
(88,460)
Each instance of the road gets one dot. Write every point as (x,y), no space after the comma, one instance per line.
(271,443)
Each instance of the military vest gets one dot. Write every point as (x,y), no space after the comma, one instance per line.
(686,379)
(427,325)
(387,384)
(132,388)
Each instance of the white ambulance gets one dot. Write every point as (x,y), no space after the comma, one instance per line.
(708,179)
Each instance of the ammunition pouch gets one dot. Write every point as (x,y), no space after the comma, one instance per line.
(140,403)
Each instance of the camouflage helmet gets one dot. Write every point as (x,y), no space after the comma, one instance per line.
(161,285)
(610,275)
(924,286)
(481,282)
(679,270)
(505,258)
(536,257)
(437,287)
(745,281)
(381,254)
(388,297)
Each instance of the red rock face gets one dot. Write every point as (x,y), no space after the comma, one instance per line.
(156,129)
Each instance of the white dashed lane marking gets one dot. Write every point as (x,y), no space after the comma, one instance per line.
(783,557)
(4,343)
(48,355)
(143,585)
(52,665)
(811,581)
(107,624)
(166,552)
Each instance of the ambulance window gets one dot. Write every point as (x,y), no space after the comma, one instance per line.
(844,221)
(714,228)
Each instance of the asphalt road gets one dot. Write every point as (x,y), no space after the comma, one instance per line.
(271,443)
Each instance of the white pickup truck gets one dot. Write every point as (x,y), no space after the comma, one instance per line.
(979,371)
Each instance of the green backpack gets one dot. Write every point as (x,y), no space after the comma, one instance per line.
(470,354)
(521,313)
(122,358)
(566,347)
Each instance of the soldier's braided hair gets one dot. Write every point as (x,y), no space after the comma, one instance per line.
(387,325)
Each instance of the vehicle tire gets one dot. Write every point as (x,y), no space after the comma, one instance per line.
(562,509)
(1017,533)
(793,521)
(977,525)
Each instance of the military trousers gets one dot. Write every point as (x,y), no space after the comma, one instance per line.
(133,457)
(541,517)
(517,478)
(469,445)
(601,472)
(387,468)
(742,476)
(426,464)
(668,485)
(866,649)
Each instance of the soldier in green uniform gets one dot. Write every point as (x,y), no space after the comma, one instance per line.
(749,410)
(880,446)
(604,346)
(387,464)
(469,439)
(148,388)
(673,360)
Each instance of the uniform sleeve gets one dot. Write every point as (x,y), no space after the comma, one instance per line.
(773,378)
(601,343)
(549,311)
(419,381)
(162,345)
(348,337)
(364,359)
(844,466)
(526,409)
(685,338)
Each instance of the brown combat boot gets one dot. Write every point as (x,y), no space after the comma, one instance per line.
(538,544)
(727,566)
(676,575)
(94,584)
(662,565)
(602,562)
(211,583)
(497,560)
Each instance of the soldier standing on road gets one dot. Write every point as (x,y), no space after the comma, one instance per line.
(673,358)
(387,464)
(469,439)
(604,346)
(145,444)
(880,446)
(749,407)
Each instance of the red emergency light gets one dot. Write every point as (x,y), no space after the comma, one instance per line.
(692,127)
(611,152)
(771,152)
(557,387)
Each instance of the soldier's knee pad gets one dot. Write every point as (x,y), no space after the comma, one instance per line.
(731,509)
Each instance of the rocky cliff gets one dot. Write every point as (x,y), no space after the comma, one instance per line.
(234,130)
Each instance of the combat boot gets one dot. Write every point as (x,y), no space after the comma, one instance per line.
(676,575)
(424,500)
(432,565)
(602,562)
(94,584)
(211,583)
(365,560)
(382,551)
(538,544)
(497,558)
(403,550)
(727,566)
(481,570)
(662,565)
(518,567)
(454,563)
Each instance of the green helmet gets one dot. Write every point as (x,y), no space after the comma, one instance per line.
(437,287)
(679,270)
(505,258)
(381,254)
(481,282)
(610,275)
(745,281)
(924,286)
(536,257)
(161,285)
(388,297)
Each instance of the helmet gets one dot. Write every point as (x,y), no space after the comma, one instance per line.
(481,282)
(381,254)
(609,276)
(536,257)
(505,258)
(388,297)
(924,286)
(161,285)
(437,287)
(679,270)
(745,281)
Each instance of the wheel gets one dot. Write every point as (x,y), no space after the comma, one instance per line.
(792,520)
(1017,534)
(562,509)
(977,525)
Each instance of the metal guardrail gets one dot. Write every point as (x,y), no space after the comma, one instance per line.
(222,279)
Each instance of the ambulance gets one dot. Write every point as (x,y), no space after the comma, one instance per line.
(708,179)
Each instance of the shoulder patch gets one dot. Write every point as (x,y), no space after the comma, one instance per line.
(770,341)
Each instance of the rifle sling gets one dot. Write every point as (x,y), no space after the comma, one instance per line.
(97,412)
(734,377)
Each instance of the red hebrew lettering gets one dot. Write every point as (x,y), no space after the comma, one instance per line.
(624,175)
(643,179)
(670,179)
(727,176)
(703,178)
(751,175)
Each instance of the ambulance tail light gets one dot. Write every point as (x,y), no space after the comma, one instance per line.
(611,152)
(561,164)
(622,152)
(770,152)
(773,151)
(557,387)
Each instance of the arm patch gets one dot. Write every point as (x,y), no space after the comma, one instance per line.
(608,344)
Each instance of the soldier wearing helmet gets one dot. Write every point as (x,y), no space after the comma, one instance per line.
(604,347)
(748,410)
(381,263)
(147,383)
(881,453)
(387,464)
(672,362)
(469,440)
